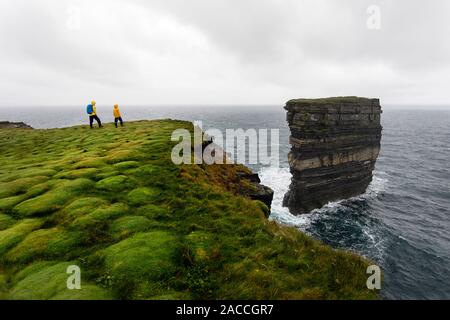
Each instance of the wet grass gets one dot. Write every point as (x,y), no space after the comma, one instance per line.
(112,202)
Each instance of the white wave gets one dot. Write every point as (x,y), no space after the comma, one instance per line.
(377,186)
(279,180)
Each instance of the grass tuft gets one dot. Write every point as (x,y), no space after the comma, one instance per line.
(13,235)
(150,256)
(54,199)
(50,283)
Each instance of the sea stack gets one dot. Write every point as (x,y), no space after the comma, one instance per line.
(335,143)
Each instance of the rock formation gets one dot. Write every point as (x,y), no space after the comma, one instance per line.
(257,191)
(335,143)
(14,125)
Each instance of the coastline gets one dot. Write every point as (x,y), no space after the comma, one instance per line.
(94,195)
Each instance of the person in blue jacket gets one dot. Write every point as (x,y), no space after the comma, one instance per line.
(92,111)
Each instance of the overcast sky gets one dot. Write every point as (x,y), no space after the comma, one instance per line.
(134,52)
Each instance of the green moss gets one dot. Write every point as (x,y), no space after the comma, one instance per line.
(154,212)
(87,292)
(172,296)
(126,165)
(201,245)
(79,173)
(150,256)
(92,162)
(54,199)
(116,183)
(146,171)
(39,189)
(8,203)
(51,283)
(263,207)
(81,207)
(100,216)
(11,188)
(33,172)
(2,283)
(121,156)
(125,226)
(6,221)
(13,235)
(48,243)
(141,196)
(31,269)
(107,172)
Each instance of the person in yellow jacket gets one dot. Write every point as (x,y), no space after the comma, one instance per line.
(117,115)
(93,116)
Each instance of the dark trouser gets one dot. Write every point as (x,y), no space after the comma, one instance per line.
(91,120)
(118,119)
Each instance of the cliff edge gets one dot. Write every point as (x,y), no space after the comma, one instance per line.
(335,143)
(14,125)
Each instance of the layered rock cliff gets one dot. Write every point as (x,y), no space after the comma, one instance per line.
(335,143)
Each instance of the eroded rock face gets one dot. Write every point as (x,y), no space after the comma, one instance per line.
(335,143)
(258,191)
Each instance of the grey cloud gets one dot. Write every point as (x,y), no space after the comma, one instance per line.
(221,51)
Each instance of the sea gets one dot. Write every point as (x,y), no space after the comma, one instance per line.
(401,223)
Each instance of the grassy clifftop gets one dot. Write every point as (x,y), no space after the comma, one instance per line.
(331,100)
(111,202)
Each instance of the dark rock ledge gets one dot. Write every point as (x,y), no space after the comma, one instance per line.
(258,191)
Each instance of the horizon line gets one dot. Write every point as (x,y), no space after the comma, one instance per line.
(403,104)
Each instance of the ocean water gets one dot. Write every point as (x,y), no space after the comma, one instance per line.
(402,222)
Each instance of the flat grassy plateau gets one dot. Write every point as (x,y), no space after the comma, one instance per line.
(139,227)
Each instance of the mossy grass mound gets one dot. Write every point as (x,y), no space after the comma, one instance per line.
(50,282)
(151,256)
(44,243)
(20,185)
(6,204)
(79,208)
(6,221)
(125,226)
(115,183)
(16,233)
(100,216)
(141,196)
(126,165)
(78,173)
(139,227)
(54,199)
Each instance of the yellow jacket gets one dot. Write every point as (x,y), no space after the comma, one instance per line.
(116,112)
(94,112)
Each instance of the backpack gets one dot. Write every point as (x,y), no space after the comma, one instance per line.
(89,109)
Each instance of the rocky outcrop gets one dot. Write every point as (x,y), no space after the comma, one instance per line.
(257,191)
(335,143)
(14,125)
